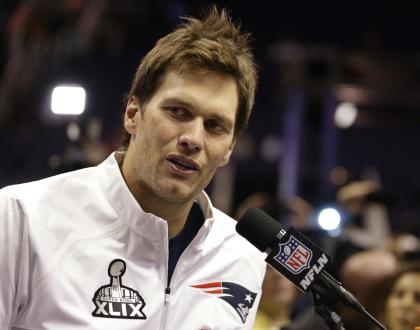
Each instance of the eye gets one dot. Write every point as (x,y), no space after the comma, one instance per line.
(417,297)
(178,112)
(214,125)
(398,293)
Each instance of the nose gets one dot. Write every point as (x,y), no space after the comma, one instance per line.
(191,138)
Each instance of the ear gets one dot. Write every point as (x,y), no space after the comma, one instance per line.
(130,116)
(226,158)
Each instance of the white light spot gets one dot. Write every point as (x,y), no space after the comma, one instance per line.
(345,115)
(68,100)
(271,148)
(329,219)
(73,132)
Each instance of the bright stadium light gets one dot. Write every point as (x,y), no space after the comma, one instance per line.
(345,115)
(68,100)
(329,219)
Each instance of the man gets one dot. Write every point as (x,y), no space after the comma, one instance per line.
(135,243)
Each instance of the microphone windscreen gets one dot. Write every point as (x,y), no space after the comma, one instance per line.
(258,228)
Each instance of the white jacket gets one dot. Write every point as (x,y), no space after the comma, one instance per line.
(78,252)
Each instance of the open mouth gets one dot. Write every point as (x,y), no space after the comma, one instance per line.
(183,164)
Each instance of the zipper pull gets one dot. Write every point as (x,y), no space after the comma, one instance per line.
(167,294)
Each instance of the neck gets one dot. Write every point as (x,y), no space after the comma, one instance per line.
(175,214)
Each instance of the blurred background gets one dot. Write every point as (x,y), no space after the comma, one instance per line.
(335,124)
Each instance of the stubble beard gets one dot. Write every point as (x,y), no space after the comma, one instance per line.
(152,184)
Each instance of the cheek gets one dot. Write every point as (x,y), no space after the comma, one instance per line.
(154,136)
(220,154)
(163,134)
(390,308)
(417,311)
(392,303)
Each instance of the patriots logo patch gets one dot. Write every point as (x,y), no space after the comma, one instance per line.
(239,297)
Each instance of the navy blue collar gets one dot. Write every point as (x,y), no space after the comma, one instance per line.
(179,243)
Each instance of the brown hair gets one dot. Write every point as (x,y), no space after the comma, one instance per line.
(407,267)
(213,43)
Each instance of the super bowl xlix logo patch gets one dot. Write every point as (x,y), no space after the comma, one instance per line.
(116,300)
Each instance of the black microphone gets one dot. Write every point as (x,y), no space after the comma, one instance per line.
(295,256)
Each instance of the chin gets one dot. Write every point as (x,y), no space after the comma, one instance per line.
(178,193)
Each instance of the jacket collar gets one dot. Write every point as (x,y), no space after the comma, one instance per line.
(129,210)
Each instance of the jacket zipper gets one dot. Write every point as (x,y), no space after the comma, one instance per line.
(167,291)
(168,288)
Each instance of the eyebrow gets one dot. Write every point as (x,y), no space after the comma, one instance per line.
(175,100)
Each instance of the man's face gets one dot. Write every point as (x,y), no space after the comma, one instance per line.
(181,136)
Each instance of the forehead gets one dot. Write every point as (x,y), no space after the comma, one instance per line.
(410,280)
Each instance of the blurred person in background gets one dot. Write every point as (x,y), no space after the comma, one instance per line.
(135,241)
(369,225)
(402,306)
(294,212)
(366,225)
(368,275)
(277,301)
(405,246)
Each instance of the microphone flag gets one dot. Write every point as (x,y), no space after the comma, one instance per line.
(297,258)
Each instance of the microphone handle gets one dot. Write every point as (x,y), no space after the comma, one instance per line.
(337,293)
(340,293)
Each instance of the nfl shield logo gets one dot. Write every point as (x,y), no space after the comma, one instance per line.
(294,255)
